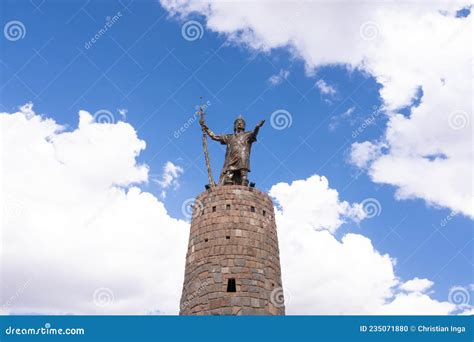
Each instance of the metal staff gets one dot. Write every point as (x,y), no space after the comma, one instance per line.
(204,146)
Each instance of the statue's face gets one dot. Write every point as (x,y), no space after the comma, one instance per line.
(239,125)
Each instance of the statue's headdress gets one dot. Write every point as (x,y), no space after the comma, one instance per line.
(239,118)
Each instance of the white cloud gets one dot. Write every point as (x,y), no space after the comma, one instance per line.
(348,112)
(416,285)
(325,88)
(171,173)
(362,154)
(335,120)
(73,222)
(323,275)
(415,303)
(275,80)
(468,312)
(406,47)
(323,209)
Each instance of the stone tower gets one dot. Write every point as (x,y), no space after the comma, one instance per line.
(232,262)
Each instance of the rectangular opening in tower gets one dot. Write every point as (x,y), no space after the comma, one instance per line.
(252,209)
(231,285)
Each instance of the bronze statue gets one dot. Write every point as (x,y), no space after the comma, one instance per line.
(237,156)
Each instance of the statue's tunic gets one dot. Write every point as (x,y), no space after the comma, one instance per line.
(237,155)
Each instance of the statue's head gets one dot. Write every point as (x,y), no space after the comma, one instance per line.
(239,124)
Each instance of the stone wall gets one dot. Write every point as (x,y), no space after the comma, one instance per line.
(233,236)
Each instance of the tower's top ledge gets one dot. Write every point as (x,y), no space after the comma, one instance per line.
(218,189)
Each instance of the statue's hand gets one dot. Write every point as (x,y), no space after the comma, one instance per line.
(260,124)
(205,128)
(201,119)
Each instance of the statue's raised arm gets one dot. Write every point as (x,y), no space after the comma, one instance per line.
(210,133)
(260,124)
(257,127)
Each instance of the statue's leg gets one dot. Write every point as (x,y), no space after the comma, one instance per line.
(243,177)
(228,178)
(222,178)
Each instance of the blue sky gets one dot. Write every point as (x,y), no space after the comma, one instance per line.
(144,65)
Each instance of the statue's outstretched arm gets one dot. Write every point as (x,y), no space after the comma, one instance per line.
(211,133)
(257,128)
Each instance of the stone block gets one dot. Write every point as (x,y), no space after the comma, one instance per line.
(240,262)
(255,302)
(218,277)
